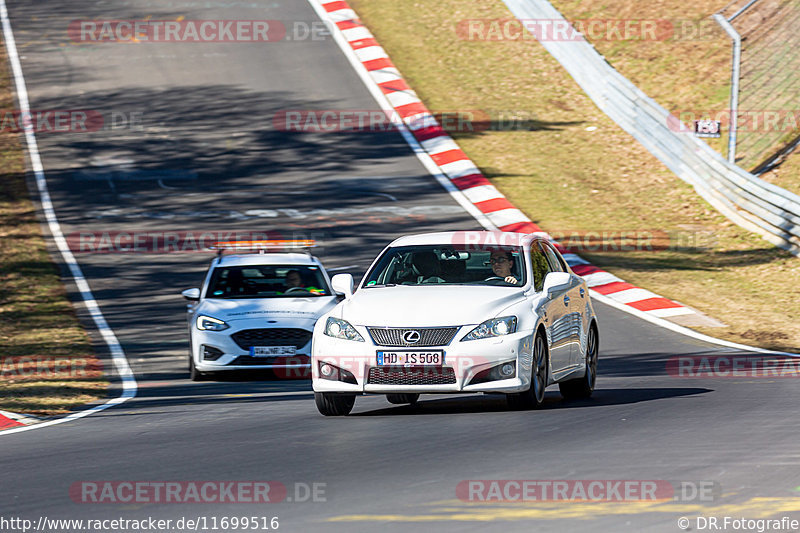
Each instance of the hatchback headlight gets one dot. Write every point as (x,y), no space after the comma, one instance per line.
(496,327)
(208,323)
(341,329)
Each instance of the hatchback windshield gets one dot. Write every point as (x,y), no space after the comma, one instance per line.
(448,265)
(267,281)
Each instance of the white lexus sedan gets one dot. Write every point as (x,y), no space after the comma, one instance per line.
(457,312)
(257,310)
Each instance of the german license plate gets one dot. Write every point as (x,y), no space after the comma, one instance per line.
(411,358)
(269,351)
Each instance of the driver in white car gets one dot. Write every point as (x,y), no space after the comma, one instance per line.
(501,265)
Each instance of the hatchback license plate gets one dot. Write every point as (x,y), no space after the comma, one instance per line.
(269,351)
(411,358)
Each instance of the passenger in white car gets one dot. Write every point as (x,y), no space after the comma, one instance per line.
(427,267)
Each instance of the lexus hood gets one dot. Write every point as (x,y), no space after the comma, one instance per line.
(414,306)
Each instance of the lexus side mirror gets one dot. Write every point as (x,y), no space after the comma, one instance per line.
(556,282)
(343,284)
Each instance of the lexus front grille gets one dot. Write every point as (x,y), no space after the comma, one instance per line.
(404,337)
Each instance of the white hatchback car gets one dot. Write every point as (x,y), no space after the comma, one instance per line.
(457,312)
(257,310)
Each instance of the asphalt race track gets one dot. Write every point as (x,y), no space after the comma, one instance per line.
(204,155)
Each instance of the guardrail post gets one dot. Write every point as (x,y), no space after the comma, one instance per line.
(737,59)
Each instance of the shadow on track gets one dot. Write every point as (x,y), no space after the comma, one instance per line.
(494,403)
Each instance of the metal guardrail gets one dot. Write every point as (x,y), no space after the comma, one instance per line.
(748,201)
(769,73)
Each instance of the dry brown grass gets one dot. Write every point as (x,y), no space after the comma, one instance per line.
(47,365)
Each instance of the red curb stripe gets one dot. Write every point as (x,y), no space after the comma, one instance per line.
(394,86)
(423,134)
(363,43)
(450,156)
(614,286)
(470,181)
(335,6)
(7,423)
(585,270)
(654,303)
(377,64)
(349,24)
(521,227)
(495,204)
(409,110)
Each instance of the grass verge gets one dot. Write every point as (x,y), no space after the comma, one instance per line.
(688,72)
(571,169)
(47,365)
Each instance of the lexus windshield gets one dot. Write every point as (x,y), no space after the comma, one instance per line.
(448,265)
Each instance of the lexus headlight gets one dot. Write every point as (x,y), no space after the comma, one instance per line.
(496,327)
(341,329)
(207,323)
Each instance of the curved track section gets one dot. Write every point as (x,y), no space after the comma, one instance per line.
(208,158)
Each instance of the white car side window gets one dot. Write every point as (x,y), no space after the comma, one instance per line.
(539,266)
(555,264)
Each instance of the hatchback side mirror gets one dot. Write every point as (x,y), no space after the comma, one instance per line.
(191,294)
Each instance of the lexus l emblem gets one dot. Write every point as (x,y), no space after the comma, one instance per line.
(411,337)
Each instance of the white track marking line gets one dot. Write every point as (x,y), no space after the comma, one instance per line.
(600,278)
(117,354)
(438,145)
(636,294)
(482,193)
(681,329)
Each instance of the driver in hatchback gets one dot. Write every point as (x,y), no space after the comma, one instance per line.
(294,279)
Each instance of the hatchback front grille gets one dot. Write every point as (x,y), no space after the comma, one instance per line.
(282,360)
(400,336)
(272,337)
(411,376)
